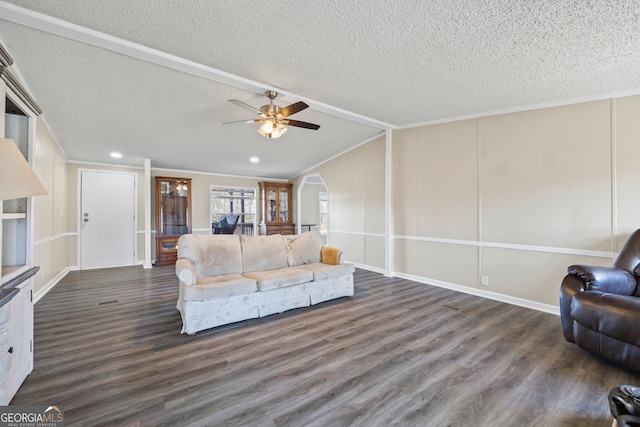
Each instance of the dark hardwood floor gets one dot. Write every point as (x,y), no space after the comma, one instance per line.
(108,349)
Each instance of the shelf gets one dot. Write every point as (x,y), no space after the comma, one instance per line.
(19,215)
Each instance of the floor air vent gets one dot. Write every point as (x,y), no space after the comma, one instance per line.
(107,302)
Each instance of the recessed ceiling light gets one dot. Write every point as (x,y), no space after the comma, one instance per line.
(116,155)
(254,160)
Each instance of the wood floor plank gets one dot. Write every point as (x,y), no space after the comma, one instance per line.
(108,349)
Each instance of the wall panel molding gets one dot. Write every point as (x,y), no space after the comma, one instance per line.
(548,249)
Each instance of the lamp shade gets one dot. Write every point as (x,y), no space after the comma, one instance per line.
(17,179)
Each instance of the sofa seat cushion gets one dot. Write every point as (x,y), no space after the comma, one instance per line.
(223,286)
(280,278)
(326,271)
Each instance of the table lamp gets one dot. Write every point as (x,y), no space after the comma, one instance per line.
(17,179)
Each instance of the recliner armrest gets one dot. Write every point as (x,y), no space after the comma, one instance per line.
(615,316)
(604,279)
(186,271)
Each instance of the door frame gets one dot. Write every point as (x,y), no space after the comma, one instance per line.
(79,214)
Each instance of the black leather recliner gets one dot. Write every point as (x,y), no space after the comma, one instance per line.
(600,307)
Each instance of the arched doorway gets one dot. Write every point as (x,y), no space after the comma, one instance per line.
(312,204)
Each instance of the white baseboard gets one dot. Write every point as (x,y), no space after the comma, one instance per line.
(371,268)
(534,305)
(521,302)
(46,288)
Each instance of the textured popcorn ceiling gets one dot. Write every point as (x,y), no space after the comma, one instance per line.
(398,63)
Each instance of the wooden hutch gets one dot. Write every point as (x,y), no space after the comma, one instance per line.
(276,208)
(173,216)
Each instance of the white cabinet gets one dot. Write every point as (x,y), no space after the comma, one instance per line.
(17,122)
(16,336)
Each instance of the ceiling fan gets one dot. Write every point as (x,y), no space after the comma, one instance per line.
(274,119)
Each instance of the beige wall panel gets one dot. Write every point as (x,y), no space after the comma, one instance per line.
(405,208)
(534,276)
(405,256)
(374,185)
(60,194)
(447,180)
(43,256)
(60,259)
(627,149)
(546,177)
(71,218)
(351,244)
(43,166)
(294,199)
(374,251)
(72,250)
(200,202)
(140,247)
(234,181)
(310,202)
(345,178)
(457,264)
(50,213)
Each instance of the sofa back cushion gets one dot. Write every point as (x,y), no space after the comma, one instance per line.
(212,254)
(304,248)
(261,253)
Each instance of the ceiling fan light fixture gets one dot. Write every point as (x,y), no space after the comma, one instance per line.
(274,119)
(267,126)
(272,128)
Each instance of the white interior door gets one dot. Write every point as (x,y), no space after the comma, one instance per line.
(107,219)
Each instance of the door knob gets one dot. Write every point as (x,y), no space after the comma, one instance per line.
(86,220)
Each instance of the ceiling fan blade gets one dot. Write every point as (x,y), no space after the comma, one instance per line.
(240,121)
(293,108)
(298,123)
(245,106)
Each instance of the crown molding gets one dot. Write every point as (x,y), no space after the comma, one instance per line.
(19,90)
(5,59)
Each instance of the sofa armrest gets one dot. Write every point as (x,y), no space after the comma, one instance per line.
(332,256)
(604,279)
(186,271)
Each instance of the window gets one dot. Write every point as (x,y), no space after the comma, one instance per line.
(324,212)
(233,210)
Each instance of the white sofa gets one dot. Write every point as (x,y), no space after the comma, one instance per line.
(229,278)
